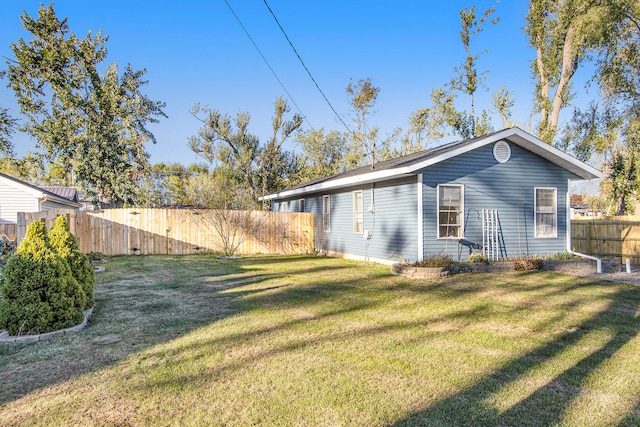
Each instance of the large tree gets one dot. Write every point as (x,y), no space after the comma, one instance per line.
(166,185)
(467,81)
(323,154)
(92,122)
(564,34)
(363,96)
(610,126)
(7,127)
(229,148)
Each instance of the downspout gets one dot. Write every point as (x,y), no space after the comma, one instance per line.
(420,220)
(569,249)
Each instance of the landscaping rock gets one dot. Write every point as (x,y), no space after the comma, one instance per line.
(418,272)
(5,338)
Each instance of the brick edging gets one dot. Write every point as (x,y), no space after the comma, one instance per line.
(5,338)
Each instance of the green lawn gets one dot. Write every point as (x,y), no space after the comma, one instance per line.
(311,341)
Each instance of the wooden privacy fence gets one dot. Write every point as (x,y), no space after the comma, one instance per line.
(181,231)
(616,236)
(10,231)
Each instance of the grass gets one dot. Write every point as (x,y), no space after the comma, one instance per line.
(316,341)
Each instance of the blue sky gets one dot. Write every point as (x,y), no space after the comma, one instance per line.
(197,52)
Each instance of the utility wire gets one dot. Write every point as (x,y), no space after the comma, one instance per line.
(305,67)
(267,62)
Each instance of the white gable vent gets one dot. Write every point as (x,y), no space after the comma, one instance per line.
(501,151)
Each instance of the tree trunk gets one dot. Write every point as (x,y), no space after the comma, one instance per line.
(568,69)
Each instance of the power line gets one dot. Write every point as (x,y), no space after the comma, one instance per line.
(305,67)
(267,62)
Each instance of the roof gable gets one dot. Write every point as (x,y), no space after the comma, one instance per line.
(407,165)
(69,193)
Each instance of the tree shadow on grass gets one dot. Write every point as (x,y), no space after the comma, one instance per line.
(546,405)
(148,301)
(321,297)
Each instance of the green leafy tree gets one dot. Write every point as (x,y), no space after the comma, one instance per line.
(164,185)
(39,294)
(220,190)
(28,168)
(66,245)
(426,125)
(363,96)
(564,34)
(93,123)
(503,101)
(229,148)
(7,127)
(323,154)
(610,126)
(467,81)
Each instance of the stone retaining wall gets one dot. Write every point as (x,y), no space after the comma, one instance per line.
(581,266)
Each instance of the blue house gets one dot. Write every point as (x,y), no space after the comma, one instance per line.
(504,194)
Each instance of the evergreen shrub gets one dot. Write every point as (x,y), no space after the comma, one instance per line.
(67,247)
(39,293)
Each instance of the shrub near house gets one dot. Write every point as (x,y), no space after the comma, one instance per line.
(39,293)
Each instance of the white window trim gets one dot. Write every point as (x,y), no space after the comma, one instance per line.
(301,205)
(535,213)
(326,213)
(461,209)
(353,201)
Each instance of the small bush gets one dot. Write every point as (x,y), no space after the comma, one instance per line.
(527,263)
(477,257)
(39,294)
(559,256)
(96,256)
(66,245)
(435,261)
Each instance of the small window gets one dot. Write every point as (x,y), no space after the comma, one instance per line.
(300,205)
(326,213)
(450,209)
(546,210)
(358,216)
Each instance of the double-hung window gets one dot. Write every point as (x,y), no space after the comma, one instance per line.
(450,211)
(358,214)
(546,210)
(326,213)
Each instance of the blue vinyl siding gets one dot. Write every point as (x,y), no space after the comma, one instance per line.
(505,187)
(393,224)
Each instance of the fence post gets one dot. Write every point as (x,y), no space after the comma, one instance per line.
(22,227)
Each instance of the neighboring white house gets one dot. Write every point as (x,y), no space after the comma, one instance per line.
(19,196)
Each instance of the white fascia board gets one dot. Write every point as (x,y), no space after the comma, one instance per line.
(528,142)
(553,154)
(515,135)
(347,181)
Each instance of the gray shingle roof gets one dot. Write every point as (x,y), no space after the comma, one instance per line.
(411,163)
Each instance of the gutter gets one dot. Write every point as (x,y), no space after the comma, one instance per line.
(59,199)
(597,260)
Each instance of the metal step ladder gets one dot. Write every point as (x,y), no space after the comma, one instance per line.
(490,234)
